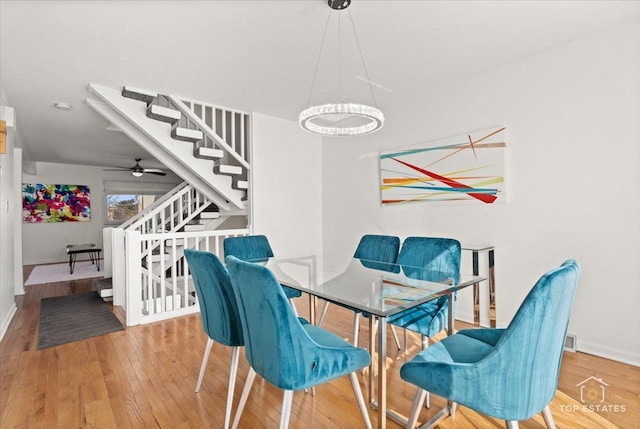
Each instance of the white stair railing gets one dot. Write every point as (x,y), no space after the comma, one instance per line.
(223,128)
(154,295)
(172,212)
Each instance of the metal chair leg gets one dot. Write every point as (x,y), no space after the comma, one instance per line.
(325,307)
(395,336)
(287,399)
(243,398)
(406,340)
(425,344)
(548,418)
(360,399)
(415,408)
(356,328)
(512,424)
(233,372)
(295,311)
(205,360)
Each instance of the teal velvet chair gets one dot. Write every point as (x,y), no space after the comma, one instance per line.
(219,312)
(433,259)
(378,252)
(254,248)
(287,353)
(510,373)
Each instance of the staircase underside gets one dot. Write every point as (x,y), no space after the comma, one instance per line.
(155,137)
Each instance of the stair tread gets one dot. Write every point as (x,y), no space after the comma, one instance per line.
(164,114)
(209,153)
(138,94)
(209,215)
(186,134)
(194,228)
(240,184)
(227,169)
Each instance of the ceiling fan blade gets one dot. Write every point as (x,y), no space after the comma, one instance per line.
(157,172)
(117,169)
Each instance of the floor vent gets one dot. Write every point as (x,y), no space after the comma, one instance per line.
(571,343)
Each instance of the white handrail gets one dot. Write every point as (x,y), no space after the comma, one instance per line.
(202,126)
(157,203)
(159,210)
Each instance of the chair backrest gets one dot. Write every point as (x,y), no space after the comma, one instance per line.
(254,248)
(529,351)
(218,305)
(276,345)
(378,252)
(430,258)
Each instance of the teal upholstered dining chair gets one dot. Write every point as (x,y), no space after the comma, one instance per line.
(219,311)
(378,252)
(510,373)
(432,259)
(254,248)
(287,353)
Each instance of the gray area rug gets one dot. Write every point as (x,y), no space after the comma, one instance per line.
(68,318)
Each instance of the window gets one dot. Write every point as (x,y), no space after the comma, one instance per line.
(122,207)
(124,199)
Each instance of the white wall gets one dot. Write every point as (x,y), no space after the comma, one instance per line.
(286,183)
(7,220)
(45,242)
(572,116)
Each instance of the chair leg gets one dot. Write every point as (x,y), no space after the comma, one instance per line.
(205,360)
(243,398)
(287,399)
(548,418)
(233,372)
(323,313)
(356,328)
(395,336)
(406,340)
(415,408)
(360,399)
(425,344)
(293,307)
(512,424)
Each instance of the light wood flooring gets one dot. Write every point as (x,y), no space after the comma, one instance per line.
(144,377)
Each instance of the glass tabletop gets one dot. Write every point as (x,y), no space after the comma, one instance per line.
(378,288)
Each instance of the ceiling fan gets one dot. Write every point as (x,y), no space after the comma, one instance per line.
(138,171)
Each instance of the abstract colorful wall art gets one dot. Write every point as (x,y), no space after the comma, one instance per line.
(43,203)
(468,167)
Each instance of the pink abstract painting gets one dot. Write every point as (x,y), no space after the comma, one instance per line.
(43,203)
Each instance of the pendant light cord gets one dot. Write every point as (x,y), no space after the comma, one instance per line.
(315,73)
(364,65)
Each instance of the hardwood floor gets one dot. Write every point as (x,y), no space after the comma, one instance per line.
(144,377)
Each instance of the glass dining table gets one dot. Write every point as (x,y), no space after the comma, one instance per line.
(378,288)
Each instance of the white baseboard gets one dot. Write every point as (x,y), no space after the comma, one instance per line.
(45,261)
(54,261)
(7,320)
(468,318)
(624,356)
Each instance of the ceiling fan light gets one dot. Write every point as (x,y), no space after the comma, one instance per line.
(137,173)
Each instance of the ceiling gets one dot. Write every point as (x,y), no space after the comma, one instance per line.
(257,56)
